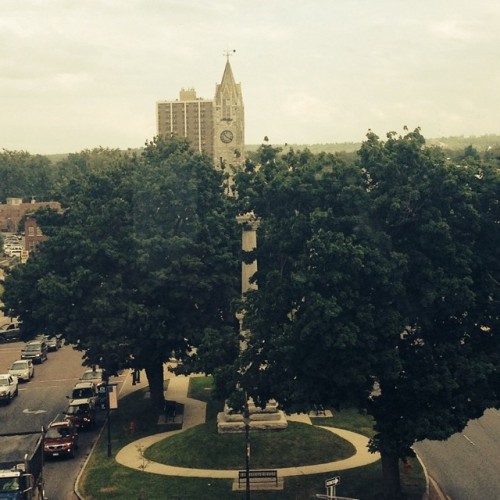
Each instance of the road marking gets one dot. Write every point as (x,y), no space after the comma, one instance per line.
(40,386)
(35,412)
(38,381)
(471,442)
(63,379)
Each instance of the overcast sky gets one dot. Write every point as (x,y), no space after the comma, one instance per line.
(78,74)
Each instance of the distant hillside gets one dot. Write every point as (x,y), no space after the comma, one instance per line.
(337,147)
(457,143)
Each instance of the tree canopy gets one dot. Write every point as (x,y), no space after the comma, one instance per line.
(25,176)
(378,281)
(140,265)
(378,285)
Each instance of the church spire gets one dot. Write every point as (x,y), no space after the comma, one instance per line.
(229,120)
(227,77)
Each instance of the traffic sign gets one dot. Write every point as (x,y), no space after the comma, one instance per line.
(332,482)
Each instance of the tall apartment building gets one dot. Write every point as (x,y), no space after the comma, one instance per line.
(216,127)
(189,117)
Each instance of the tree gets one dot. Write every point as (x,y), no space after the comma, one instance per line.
(376,276)
(470,152)
(25,176)
(139,266)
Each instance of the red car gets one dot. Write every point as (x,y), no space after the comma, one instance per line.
(61,439)
(81,412)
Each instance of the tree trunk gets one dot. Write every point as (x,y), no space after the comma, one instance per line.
(154,372)
(390,472)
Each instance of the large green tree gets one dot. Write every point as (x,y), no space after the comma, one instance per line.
(377,285)
(23,175)
(139,266)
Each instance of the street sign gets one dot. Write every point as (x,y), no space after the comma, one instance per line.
(332,482)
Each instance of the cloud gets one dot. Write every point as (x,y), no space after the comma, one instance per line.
(91,72)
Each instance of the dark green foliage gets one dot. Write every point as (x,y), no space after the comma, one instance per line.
(386,272)
(25,176)
(142,262)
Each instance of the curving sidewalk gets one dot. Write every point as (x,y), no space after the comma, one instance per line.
(194,414)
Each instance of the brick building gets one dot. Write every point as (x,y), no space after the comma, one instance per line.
(32,234)
(14,210)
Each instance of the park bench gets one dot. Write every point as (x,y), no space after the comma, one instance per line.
(258,476)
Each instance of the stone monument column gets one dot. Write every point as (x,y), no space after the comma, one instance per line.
(249,224)
(269,418)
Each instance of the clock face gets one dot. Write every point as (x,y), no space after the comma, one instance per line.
(226,136)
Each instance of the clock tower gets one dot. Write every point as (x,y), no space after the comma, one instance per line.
(229,123)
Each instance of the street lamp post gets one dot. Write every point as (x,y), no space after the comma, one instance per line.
(246,419)
(108,417)
(104,363)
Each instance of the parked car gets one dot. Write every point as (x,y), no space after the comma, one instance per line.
(9,388)
(81,412)
(61,439)
(53,342)
(85,390)
(35,350)
(10,331)
(23,369)
(97,376)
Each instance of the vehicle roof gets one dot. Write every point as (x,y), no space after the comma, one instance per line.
(61,423)
(9,326)
(83,385)
(27,361)
(15,446)
(76,402)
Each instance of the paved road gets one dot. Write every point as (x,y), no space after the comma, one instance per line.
(467,465)
(39,402)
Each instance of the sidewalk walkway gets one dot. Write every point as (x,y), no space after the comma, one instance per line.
(132,455)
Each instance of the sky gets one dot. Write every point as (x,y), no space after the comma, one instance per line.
(77,75)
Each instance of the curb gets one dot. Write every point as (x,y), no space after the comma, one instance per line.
(76,489)
(432,489)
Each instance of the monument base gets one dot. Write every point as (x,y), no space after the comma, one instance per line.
(263,419)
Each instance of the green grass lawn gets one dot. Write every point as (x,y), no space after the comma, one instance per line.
(104,479)
(299,444)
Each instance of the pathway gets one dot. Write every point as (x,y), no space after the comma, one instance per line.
(194,414)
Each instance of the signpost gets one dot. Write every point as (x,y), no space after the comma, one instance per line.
(331,494)
(330,485)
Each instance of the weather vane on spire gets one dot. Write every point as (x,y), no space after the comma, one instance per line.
(229,53)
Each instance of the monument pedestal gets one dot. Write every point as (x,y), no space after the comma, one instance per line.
(265,419)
